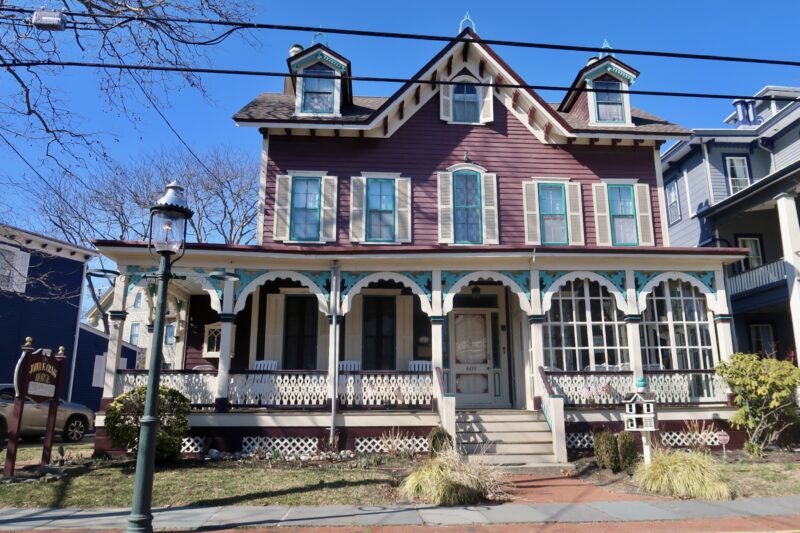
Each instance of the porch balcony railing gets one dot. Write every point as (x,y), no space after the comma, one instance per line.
(285,389)
(607,389)
(756,278)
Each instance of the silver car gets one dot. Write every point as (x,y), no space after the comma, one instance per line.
(73,420)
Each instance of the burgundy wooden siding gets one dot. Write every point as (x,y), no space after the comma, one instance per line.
(425,145)
(581,107)
(200,314)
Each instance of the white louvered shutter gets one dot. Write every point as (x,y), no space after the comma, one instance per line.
(329,203)
(283,208)
(575,213)
(446,102)
(530,201)
(402,200)
(358,198)
(644,215)
(489,195)
(20,274)
(487,105)
(445,207)
(602,220)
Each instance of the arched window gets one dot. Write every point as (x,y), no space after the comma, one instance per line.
(318,91)
(584,330)
(466,104)
(676,329)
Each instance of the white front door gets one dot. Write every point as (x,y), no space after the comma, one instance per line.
(472,358)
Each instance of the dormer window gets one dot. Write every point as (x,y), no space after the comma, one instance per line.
(466,104)
(610,104)
(318,91)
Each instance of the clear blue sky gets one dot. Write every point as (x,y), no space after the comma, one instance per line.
(691,26)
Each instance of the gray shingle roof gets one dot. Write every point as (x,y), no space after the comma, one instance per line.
(643,122)
(268,107)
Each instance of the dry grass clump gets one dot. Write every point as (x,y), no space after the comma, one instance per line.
(447,480)
(684,474)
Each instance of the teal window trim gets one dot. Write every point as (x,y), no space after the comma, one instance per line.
(613,215)
(292,232)
(376,181)
(597,101)
(542,213)
(479,206)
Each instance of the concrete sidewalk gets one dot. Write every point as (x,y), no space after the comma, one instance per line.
(189,518)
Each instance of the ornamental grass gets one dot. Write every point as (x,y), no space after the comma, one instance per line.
(684,474)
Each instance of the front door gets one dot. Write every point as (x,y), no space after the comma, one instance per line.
(472,358)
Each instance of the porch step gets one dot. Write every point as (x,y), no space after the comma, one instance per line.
(514,460)
(509,448)
(487,426)
(468,437)
(505,415)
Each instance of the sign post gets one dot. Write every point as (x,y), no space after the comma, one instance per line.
(38,377)
(724,439)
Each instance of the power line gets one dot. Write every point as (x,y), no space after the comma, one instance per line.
(501,85)
(418,36)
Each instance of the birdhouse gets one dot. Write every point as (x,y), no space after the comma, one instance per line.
(640,412)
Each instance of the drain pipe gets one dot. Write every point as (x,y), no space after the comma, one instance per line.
(333,346)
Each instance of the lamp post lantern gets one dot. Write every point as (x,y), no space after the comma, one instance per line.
(166,237)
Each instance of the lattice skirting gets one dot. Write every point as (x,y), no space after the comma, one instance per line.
(193,444)
(416,444)
(670,439)
(580,441)
(287,446)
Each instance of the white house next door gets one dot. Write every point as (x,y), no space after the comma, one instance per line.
(472,358)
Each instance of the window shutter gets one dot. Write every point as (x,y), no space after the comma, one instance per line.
(530,200)
(644,215)
(20,274)
(283,208)
(446,102)
(602,219)
(402,200)
(489,196)
(329,211)
(358,199)
(487,108)
(445,207)
(575,213)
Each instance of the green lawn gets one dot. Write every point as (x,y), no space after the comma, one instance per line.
(208,484)
(32,454)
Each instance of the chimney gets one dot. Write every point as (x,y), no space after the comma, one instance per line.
(742,117)
(288,86)
(751,112)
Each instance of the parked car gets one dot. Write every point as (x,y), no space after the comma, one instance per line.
(73,420)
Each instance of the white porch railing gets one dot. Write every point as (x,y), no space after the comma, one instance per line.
(377,389)
(762,276)
(276,388)
(199,386)
(591,388)
(687,386)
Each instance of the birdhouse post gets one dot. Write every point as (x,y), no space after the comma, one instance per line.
(640,415)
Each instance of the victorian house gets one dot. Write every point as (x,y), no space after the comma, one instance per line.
(460,253)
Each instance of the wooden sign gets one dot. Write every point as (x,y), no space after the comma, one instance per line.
(724,438)
(38,377)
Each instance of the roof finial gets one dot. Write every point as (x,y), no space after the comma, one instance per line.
(466,22)
(606,46)
(319,38)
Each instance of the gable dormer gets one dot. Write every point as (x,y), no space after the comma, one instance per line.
(607,102)
(464,101)
(316,76)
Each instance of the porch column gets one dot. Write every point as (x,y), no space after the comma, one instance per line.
(333,338)
(790,241)
(117,316)
(437,322)
(534,386)
(633,317)
(723,320)
(226,317)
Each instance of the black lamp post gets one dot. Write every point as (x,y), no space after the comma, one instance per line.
(166,237)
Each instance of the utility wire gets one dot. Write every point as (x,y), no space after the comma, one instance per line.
(501,85)
(418,36)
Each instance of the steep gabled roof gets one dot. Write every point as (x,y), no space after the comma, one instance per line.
(320,52)
(607,63)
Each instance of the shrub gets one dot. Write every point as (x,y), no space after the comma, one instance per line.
(763,389)
(626,448)
(606,452)
(122,421)
(447,480)
(438,439)
(683,474)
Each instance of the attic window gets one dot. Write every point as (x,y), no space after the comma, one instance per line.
(610,107)
(466,104)
(318,91)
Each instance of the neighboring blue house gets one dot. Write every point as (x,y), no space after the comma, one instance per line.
(41,285)
(737,186)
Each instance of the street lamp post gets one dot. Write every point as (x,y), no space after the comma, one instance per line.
(167,237)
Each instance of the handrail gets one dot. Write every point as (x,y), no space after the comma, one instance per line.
(169,372)
(584,372)
(547,387)
(683,371)
(440,378)
(761,276)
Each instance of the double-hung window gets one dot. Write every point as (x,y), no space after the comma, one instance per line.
(380,210)
(754,257)
(318,89)
(467,210)
(622,210)
(169,335)
(305,209)
(610,107)
(738,171)
(673,203)
(133,336)
(466,104)
(137,300)
(553,213)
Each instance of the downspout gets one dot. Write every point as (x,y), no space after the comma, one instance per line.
(334,342)
(77,336)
